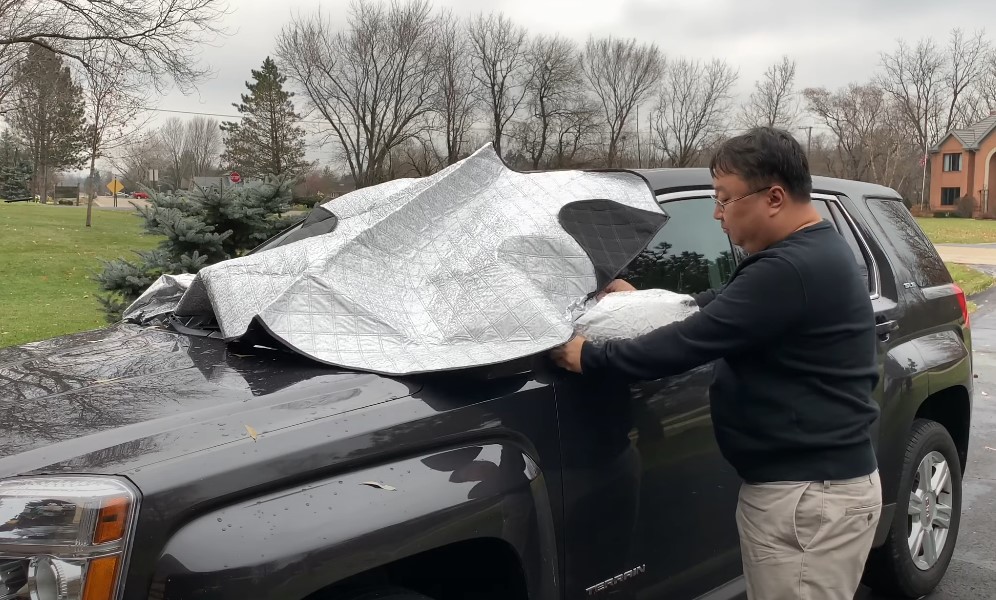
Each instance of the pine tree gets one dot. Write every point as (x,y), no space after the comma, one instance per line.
(50,116)
(15,171)
(202,227)
(267,141)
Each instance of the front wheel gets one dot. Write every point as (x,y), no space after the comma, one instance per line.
(924,529)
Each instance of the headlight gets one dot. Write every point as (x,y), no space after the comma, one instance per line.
(64,538)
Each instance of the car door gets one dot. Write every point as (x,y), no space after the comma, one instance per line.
(649,501)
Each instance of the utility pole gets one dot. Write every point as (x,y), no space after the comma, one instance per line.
(809,140)
(639,155)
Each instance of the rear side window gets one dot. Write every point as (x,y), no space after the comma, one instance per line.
(912,247)
(689,255)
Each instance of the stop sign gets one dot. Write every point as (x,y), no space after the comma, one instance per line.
(235,177)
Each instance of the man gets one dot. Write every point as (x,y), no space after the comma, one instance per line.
(793,337)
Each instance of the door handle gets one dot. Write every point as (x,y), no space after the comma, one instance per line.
(884,328)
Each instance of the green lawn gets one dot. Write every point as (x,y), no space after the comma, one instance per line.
(969,280)
(47,256)
(958,231)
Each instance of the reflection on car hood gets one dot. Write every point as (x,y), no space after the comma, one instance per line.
(88,393)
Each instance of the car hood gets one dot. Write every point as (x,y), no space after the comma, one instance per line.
(88,401)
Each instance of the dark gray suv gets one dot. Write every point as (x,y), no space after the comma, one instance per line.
(159,462)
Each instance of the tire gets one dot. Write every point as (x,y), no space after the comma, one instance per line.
(892,569)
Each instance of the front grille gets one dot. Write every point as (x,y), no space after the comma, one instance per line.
(13,577)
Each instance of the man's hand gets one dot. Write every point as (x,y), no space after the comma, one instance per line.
(568,356)
(616,285)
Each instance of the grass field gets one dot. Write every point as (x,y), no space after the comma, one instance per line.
(47,256)
(969,280)
(958,231)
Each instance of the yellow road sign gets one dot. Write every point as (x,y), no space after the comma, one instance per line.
(115,186)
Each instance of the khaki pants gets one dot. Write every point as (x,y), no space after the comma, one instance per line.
(807,541)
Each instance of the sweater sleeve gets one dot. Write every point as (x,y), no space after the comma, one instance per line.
(705,297)
(761,302)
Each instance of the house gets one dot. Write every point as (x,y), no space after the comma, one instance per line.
(963,163)
(340,189)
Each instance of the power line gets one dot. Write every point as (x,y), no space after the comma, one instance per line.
(208,114)
(476,126)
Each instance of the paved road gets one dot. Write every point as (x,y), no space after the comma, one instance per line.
(972,574)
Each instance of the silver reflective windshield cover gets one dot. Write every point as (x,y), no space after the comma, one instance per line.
(475,265)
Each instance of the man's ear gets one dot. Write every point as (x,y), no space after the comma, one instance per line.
(777,198)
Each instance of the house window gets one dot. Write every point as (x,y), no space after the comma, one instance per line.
(952,162)
(949,196)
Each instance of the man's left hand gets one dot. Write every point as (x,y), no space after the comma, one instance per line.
(568,356)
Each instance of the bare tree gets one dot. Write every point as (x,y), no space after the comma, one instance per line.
(417,157)
(554,83)
(965,67)
(855,115)
(576,133)
(374,82)
(692,108)
(134,160)
(455,102)
(773,102)
(499,51)
(10,58)
(914,77)
(114,103)
(980,101)
(172,138)
(937,87)
(202,145)
(157,39)
(623,74)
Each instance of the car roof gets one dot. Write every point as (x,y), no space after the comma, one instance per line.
(677,179)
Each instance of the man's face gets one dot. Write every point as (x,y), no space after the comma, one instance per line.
(742,211)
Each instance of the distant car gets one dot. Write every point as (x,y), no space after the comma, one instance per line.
(141,195)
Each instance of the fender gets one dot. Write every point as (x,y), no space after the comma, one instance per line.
(904,387)
(916,369)
(293,542)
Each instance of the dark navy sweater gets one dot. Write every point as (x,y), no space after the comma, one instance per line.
(793,337)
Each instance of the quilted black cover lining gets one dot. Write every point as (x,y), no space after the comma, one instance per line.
(612,234)
(319,222)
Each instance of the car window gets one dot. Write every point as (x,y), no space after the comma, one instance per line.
(689,255)
(912,247)
(821,207)
(847,231)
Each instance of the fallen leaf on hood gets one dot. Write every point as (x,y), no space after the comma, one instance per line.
(252,432)
(379,485)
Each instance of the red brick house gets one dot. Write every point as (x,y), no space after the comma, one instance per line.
(963,163)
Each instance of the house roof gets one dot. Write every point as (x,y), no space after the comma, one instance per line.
(970,137)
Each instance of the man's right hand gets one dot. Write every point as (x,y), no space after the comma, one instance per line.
(616,285)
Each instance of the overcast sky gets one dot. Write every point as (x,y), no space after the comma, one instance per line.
(833,42)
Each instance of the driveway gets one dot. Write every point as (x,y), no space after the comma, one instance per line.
(968,254)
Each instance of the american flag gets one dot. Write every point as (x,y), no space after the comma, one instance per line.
(923,161)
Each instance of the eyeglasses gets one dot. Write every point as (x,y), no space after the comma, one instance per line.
(722,205)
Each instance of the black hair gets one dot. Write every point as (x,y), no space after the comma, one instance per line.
(766,156)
